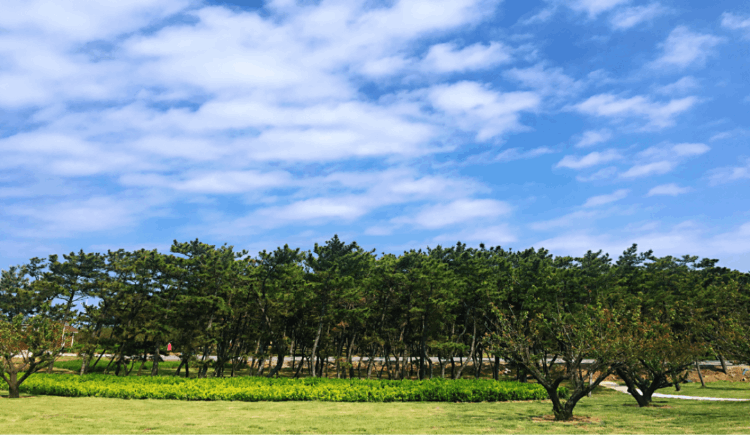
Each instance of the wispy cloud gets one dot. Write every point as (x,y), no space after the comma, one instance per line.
(730,173)
(518,154)
(568,220)
(591,159)
(684,238)
(646,169)
(684,48)
(594,8)
(593,137)
(662,159)
(736,22)
(477,108)
(671,189)
(632,16)
(459,211)
(547,81)
(680,87)
(659,115)
(447,57)
(596,201)
(601,174)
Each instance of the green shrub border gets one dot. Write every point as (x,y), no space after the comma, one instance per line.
(252,389)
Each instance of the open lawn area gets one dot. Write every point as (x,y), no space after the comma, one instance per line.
(733,390)
(606,412)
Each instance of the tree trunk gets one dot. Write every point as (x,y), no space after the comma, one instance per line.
(84,362)
(97,361)
(471,352)
(723,363)
(279,364)
(316,342)
(562,411)
(143,363)
(643,399)
(157,357)
(422,347)
(370,362)
(13,391)
(700,375)
(478,364)
(301,363)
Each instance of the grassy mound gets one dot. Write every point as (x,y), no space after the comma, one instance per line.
(251,389)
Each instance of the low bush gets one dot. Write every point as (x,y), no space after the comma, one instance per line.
(251,389)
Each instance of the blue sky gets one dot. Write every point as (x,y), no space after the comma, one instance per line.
(564,124)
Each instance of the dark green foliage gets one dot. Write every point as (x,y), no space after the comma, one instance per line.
(448,312)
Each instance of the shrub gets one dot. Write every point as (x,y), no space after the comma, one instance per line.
(251,389)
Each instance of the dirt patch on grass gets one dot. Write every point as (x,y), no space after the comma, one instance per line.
(651,405)
(576,419)
(714,373)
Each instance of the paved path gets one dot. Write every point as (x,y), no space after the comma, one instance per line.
(624,389)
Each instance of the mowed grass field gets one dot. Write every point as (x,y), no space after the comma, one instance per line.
(734,390)
(606,412)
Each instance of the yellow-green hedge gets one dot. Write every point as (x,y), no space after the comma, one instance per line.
(252,389)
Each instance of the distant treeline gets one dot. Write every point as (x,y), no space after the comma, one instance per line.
(641,316)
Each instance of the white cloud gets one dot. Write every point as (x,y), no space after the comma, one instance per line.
(674,152)
(601,174)
(659,115)
(680,87)
(568,220)
(591,159)
(646,169)
(540,17)
(596,201)
(447,57)
(315,209)
(217,182)
(729,174)
(593,137)
(517,154)
(632,16)
(385,66)
(546,81)
(685,238)
(659,160)
(339,197)
(474,107)
(684,48)
(594,7)
(85,20)
(729,134)
(736,22)
(690,149)
(459,211)
(670,189)
(74,217)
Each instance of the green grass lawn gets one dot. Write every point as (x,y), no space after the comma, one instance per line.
(606,412)
(734,390)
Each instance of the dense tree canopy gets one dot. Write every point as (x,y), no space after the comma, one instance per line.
(438,312)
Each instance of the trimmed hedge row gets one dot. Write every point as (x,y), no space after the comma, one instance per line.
(251,389)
